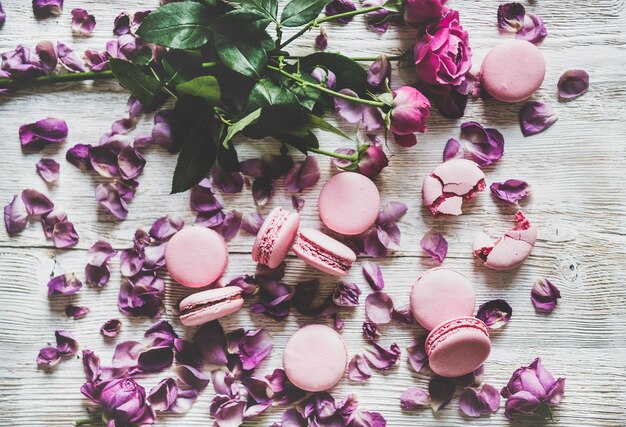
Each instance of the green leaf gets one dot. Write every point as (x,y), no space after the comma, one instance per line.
(143,86)
(266,93)
(188,112)
(180,66)
(178,25)
(301,140)
(239,126)
(269,8)
(208,3)
(242,23)
(313,121)
(300,12)
(197,156)
(307,96)
(350,74)
(394,5)
(206,87)
(246,57)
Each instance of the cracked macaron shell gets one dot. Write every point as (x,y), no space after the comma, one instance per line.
(315,358)
(510,250)
(275,237)
(513,70)
(196,256)
(323,252)
(458,346)
(450,184)
(440,294)
(349,203)
(210,305)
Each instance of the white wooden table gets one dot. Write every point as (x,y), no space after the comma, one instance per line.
(577,169)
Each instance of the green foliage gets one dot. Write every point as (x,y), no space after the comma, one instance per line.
(178,66)
(143,86)
(240,125)
(350,74)
(184,25)
(206,87)
(266,93)
(197,156)
(300,12)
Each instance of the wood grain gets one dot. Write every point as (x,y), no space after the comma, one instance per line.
(577,170)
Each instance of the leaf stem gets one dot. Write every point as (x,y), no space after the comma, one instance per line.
(357,58)
(316,22)
(352,157)
(67,77)
(328,91)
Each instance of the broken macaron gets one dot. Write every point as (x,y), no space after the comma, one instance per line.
(203,307)
(510,250)
(450,184)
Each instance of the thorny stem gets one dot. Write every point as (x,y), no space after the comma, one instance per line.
(68,77)
(316,22)
(328,91)
(354,157)
(357,58)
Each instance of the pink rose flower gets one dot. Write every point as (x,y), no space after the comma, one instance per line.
(418,12)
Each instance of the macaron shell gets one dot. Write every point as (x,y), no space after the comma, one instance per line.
(315,358)
(349,203)
(451,183)
(211,312)
(279,238)
(461,350)
(324,245)
(196,256)
(441,294)
(512,249)
(513,70)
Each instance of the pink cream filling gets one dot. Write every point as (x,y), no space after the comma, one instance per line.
(267,242)
(434,206)
(199,307)
(452,328)
(316,251)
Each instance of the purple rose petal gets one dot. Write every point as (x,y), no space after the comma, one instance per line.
(22,63)
(83,23)
(321,41)
(142,295)
(417,355)
(165,227)
(202,199)
(76,312)
(231,225)
(370,331)
(274,298)
(3,15)
(476,402)
(96,60)
(227,182)
(337,7)
(100,253)
(163,395)
(130,162)
(535,117)
(325,77)
(70,59)
(15,215)
(487,144)
(155,359)
(510,191)
(49,220)
(48,357)
(346,294)
(435,245)
(452,150)
(65,284)
(373,275)
(403,315)
(354,112)
(48,169)
(533,30)
(414,398)
(379,72)
(382,358)
(297,202)
(378,20)
(511,16)
(111,328)
(211,343)
(98,276)
(252,223)
(66,343)
(572,84)
(47,8)
(78,155)
(302,175)
(495,313)
(45,131)
(392,212)
(108,196)
(64,235)
(379,307)
(192,377)
(262,190)
(47,55)
(255,346)
(121,24)
(358,369)
(441,391)
(544,295)
(104,161)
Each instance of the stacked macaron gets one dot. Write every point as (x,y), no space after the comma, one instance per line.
(442,301)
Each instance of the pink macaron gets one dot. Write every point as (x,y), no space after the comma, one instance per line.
(510,250)
(315,358)
(196,256)
(450,184)
(349,203)
(440,294)
(513,70)
(275,237)
(212,304)
(458,346)
(323,252)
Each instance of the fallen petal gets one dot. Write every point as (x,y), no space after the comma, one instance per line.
(379,307)
(495,313)
(65,284)
(535,117)
(83,23)
(441,391)
(544,295)
(373,275)
(111,328)
(435,245)
(15,215)
(510,191)
(358,369)
(414,398)
(48,169)
(572,84)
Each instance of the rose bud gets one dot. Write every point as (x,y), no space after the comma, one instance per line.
(418,12)
(409,113)
(124,401)
(372,161)
(324,76)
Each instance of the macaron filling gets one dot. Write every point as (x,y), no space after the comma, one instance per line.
(266,244)
(521,224)
(195,308)
(448,193)
(312,249)
(445,331)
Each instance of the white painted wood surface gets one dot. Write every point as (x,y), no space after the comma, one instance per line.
(577,170)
